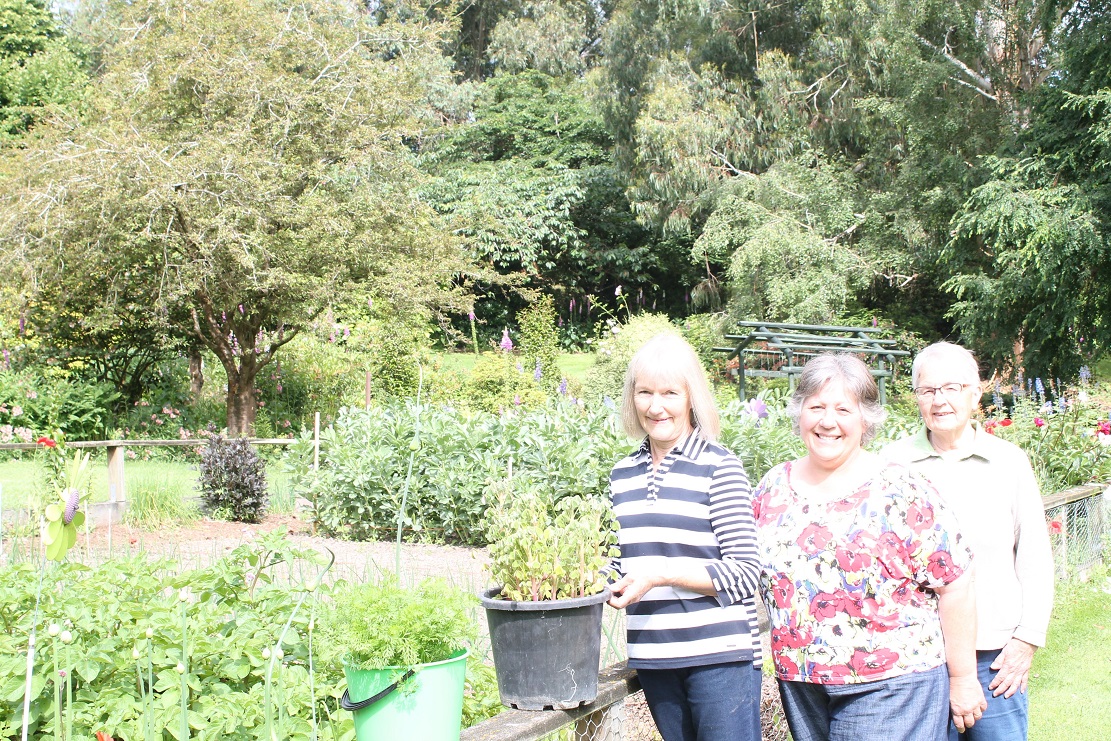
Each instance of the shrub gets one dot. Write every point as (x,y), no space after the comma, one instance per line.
(500,381)
(539,336)
(617,347)
(232,480)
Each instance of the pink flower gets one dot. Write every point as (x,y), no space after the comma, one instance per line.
(1055,527)
(1103,428)
(1039,422)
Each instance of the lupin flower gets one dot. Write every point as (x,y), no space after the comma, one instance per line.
(537,374)
(1085,374)
(1039,386)
(73,500)
(563,390)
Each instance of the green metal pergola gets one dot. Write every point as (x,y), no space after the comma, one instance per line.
(794,344)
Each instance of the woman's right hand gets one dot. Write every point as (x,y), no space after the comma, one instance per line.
(629,589)
(966,700)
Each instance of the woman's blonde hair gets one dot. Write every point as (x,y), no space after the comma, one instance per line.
(670,358)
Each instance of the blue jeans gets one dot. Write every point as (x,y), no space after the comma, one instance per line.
(910,707)
(1005,719)
(719,702)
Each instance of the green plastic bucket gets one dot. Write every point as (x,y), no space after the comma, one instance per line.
(427,706)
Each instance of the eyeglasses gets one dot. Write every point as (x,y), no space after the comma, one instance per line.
(926,393)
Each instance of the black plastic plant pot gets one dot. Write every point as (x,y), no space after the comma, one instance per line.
(546,653)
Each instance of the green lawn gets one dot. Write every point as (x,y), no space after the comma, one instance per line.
(20,478)
(1070,685)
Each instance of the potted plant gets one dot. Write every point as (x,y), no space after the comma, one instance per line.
(404,653)
(545,615)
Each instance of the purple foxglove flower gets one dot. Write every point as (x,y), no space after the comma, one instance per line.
(470,315)
(563,387)
(73,498)
(517,400)
(506,343)
(757,408)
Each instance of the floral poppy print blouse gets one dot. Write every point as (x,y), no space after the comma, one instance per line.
(846,580)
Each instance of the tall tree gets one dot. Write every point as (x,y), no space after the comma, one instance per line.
(245,160)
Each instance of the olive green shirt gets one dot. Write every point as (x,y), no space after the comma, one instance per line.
(991,488)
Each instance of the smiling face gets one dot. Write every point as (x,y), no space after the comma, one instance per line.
(946,415)
(663,410)
(832,426)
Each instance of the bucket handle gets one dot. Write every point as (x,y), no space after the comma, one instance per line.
(346,704)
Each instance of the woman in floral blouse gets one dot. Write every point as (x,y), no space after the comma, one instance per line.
(866,579)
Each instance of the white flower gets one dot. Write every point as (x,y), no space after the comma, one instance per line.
(66,636)
(180,668)
(54,630)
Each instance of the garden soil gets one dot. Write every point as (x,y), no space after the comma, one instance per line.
(204,541)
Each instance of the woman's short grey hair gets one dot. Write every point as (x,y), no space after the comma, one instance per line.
(669,358)
(857,379)
(960,361)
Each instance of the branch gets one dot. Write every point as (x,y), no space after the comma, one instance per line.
(982,84)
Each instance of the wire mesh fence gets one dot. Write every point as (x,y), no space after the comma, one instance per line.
(1080,529)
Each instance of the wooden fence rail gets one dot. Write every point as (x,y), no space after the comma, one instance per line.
(113,510)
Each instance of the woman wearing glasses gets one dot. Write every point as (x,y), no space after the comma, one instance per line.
(990,486)
(865,577)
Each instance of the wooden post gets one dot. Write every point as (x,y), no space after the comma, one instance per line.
(117,490)
(316,442)
(368,389)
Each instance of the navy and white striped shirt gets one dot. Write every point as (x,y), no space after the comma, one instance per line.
(696,505)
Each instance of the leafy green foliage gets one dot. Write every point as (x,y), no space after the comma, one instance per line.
(540,551)
(44,402)
(125,616)
(260,170)
(1032,262)
(232,480)
(384,624)
(561,449)
(616,348)
(539,344)
(500,381)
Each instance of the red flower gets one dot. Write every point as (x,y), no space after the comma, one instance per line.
(891,552)
(825,605)
(102,736)
(1103,428)
(829,674)
(871,663)
(1039,422)
(878,621)
(1005,422)
(920,517)
(783,592)
(789,637)
(785,667)
(853,560)
(814,538)
(1055,527)
(47,442)
(941,566)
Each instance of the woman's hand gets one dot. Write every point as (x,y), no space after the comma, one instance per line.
(1013,667)
(630,588)
(966,700)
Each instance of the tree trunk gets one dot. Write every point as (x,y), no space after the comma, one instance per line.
(241,407)
(196,373)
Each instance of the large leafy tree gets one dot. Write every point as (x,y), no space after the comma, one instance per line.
(242,163)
